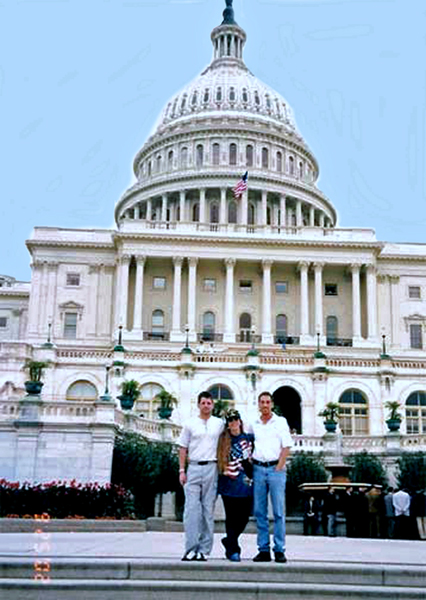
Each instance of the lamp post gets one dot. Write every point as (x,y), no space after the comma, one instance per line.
(106,396)
(48,342)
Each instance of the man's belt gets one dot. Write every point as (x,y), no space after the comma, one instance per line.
(269,463)
(202,462)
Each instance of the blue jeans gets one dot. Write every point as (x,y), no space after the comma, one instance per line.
(267,480)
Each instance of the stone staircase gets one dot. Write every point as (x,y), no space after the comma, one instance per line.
(125,579)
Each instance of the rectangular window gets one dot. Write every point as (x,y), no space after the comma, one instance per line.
(73,279)
(281,287)
(159,283)
(330,289)
(414,292)
(246,286)
(70,325)
(209,285)
(3,322)
(416,340)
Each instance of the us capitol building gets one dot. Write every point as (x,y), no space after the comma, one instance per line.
(198,289)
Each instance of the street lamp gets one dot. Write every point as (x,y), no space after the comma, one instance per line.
(106,396)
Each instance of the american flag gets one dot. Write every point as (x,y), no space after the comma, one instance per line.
(241,186)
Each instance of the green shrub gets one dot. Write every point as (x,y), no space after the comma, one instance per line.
(145,468)
(366,468)
(412,471)
(304,467)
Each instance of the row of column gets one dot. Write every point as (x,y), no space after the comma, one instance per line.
(292,216)
(176,333)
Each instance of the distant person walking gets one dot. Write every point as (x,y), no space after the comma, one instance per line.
(198,475)
(374,497)
(311,515)
(401,503)
(389,513)
(330,511)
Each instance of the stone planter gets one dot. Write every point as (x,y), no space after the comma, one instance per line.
(330,426)
(393,424)
(164,412)
(33,388)
(126,402)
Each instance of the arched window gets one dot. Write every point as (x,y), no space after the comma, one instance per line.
(199,155)
(219,94)
(301,170)
(268,102)
(194,98)
(149,168)
(245,327)
(82,391)
(209,324)
(170,160)
(353,418)
(216,154)
(222,393)
(332,330)
(184,157)
(281,329)
(146,403)
(291,165)
(415,412)
(256,98)
(232,94)
(196,212)
(244,96)
(157,329)
(183,103)
(251,215)
(232,212)
(214,212)
(279,162)
(249,155)
(265,158)
(206,95)
(233,154)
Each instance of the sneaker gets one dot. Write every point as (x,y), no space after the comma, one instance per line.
(262,557)
(189,556)
(200,557)
(234,557)
(280,557)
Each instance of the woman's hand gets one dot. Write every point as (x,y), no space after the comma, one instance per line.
(182,477)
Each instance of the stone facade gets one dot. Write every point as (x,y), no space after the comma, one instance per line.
(189,263)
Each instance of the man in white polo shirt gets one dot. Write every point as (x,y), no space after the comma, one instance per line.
(272,444)
(198,474)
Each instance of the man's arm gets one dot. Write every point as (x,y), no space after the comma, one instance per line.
(282,459)
(183,453)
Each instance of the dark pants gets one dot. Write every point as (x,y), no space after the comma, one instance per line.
(310,525)
(237,514)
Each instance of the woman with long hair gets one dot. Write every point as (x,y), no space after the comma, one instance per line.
(235,483)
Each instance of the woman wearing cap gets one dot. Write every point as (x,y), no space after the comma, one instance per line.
(235,484)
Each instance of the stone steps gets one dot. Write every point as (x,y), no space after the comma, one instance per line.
(94,578)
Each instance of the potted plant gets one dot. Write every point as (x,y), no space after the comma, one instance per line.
(331,415)
(167,403)
(130,392)
(35,370)
(394,419)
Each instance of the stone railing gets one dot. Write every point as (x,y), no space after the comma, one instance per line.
(359,443)
(413,442)
(153,429)
(306,443)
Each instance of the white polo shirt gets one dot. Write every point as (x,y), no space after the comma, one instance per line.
(200,437)
(270,438)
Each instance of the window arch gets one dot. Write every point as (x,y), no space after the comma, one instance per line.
(214,212)
(146,403)
(265,158)
(245,327)
(206,95)
(219,94)
(184,157)
(281,328)
(232,154)
(82,391)
(183,102)
(157,328)
(232,212)
(256,98)
(353,418)
(216,153)
(415,412)
(199,155)
(249,155)
(301,170)
(223,393)
(245,96)
(332,330)
(170,160)
(232,96)
(291,165)
(194,98)
(279,162)
(149,168)
(209,326)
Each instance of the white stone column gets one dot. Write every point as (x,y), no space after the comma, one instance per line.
(139,284)
(395,309)
(164,207)
(283,211)
(312,216)
(244,208)
(321,219)
(299,221)
(372,303)
(356,303)
(176,334)
(304,303)
(202,205)
(192,297)
(92,313)
(229,331)
(264,207)
(149,209)
(48,303)
(319,316)
(222,215)
(34,302)
(267,337)
(122,290)
(182,212)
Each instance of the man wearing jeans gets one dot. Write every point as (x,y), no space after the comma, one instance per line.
(272,444)
(198,474)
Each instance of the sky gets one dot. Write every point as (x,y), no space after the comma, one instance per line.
(83,81)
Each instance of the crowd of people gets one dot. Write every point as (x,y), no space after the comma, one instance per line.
(245,465)
(368,512)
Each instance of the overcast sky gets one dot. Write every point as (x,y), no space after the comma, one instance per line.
(82,82)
